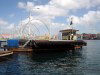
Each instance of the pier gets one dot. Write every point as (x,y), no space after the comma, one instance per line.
(5,53)
(16,50)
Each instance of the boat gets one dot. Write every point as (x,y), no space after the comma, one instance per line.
(68,42)
(62,45)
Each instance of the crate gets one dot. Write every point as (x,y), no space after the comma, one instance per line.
(13,43)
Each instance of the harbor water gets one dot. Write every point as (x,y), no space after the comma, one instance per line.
(81,62)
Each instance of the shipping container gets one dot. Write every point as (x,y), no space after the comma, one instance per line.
(13,43)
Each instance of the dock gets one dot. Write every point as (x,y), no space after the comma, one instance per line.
(5,53)
(21,49)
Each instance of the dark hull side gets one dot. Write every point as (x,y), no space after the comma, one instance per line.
(56,45)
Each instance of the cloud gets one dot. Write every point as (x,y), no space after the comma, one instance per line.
(59,7)
(90,18)
(53,11)
(62,8)
(28,6)
(6,27)
(36,25)
(11,15)
(3,22)
(88,21)
(47,10)
(21,5)
(11,26)
(47,13)
(75,4)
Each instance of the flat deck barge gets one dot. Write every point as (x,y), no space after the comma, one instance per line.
(40,45)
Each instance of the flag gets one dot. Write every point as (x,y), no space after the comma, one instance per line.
(71,23)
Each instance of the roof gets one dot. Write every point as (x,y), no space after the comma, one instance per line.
(68,30)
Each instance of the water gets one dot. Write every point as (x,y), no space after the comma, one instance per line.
(81,62)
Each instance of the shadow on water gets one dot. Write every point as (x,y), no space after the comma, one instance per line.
(53,63)
(47,56)
(6,58)
(58,63)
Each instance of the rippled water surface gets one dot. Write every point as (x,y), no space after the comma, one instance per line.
(81,62)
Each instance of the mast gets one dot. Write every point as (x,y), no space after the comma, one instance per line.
(71,23)
(29,31)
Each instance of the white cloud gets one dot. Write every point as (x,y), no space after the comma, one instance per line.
(90,18)
(75,4)
(55,8)
(47,10)
(6,27)
(3,22)
(58,7)
(88,21)
(21,5)
(11,26)
(64,3)
(28,6)
(11,15)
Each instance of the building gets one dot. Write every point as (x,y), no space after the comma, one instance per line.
(98,36)
(89,36)
(68,34)
(5,36)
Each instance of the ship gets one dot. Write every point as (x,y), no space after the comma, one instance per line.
(69,41)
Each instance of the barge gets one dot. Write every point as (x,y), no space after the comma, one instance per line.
(56,45)
(70,41)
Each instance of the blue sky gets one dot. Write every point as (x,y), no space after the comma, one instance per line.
(86,13)
(9,7)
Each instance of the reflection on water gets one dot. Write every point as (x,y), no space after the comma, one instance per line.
(81,62)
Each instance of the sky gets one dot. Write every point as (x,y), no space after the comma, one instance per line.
(55,14)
